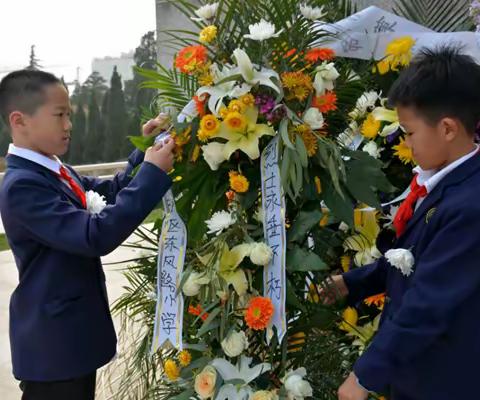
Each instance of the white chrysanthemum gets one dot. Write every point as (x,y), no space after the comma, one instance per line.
(297,388)
(262,30)
(314,118)
(220,221)
(206,12)
(312,13)
(235,343)
(372,148)
(95,202)
(401,259)
(261,254)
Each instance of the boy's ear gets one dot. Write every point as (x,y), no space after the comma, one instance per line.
(16,119)
(451,128)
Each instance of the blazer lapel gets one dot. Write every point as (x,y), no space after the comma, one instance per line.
(22,163)
(457,176)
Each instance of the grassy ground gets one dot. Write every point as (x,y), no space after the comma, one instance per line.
(151,218)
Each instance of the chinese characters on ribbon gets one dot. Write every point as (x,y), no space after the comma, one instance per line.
(171,257)
(273,203)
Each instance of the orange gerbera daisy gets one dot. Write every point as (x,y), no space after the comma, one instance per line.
(190,58)
(326,102)
(319,54)
(378,301)
(259,313)
(197,311)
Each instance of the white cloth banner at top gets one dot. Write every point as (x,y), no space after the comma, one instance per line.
(366,34)
(273,204)
(171,257)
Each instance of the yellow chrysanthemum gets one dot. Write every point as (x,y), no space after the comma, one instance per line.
(209,126)
(236,121)
(171,370)
(238,182)
(350,319)
(298,85)
(345,261)
(403,152)
(248,99)
(184,358)
(238,106)
(371,127)
(308,137)
(318,185)
(206,79)
(399,52)
(208,34)
(382,67)
(224,112)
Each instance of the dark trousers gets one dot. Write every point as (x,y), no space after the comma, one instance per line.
(82,388)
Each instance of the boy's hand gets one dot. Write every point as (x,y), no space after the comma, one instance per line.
(351,390)
(333,290)
(161,155)
(155,126)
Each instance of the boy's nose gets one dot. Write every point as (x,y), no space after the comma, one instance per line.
(69,125)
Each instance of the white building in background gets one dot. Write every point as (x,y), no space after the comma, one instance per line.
(104,66)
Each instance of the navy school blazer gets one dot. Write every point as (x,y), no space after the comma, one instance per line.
(60,323)
(428,344)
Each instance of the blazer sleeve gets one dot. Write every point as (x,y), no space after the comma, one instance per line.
(445,277)
(366,281)
(57,223)
(110,187)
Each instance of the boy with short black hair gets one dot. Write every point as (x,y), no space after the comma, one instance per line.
(61,330)
(427,347)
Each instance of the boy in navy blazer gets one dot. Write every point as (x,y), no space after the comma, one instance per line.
(61,330)
(428,343)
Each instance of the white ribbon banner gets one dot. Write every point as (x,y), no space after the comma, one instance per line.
(273,204)
(171,257)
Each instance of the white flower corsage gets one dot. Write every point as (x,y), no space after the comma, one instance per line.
(95,202)
(402,259)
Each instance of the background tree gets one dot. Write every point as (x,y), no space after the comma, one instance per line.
(93,144)
(79,120)
(34,63)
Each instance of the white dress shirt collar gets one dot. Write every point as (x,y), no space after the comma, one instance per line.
(44,161)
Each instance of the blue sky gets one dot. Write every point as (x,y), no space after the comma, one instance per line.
(69,34)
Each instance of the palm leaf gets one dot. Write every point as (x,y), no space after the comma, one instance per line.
(439,15)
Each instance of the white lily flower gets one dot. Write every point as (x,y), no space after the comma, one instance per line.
(326,75)
(213,154)
(386,115)
(251,74)
(241,372)
(206,12)
(219,91)
(312,13)
(261,31)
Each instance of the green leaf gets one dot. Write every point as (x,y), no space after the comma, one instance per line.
(142,142)
(283,129)
(302,260)
(302,224)
(302,151)
(207,325)
(184,396)
(292,298)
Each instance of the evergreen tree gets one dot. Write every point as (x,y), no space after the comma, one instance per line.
(79,120)
(116,121)
(93,144)
(96,83)
(34,63)
(5,138)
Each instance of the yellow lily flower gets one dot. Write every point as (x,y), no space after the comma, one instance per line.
(228,264)
(364,242)
(364,334)
(243,135)
(385,115)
